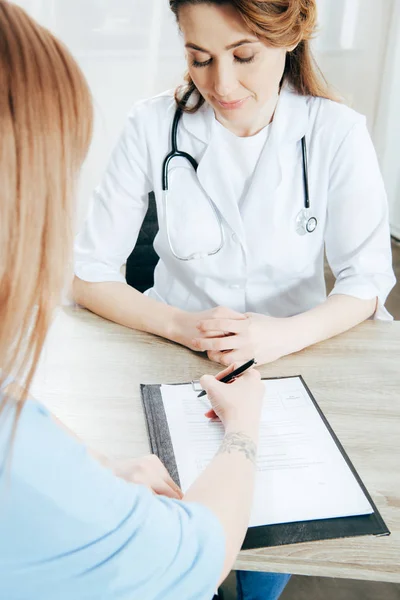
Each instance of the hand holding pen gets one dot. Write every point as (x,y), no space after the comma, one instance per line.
(241,400)
(231,375)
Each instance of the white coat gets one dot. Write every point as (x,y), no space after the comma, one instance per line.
(264,265)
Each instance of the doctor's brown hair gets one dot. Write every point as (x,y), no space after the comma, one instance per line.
(280,24)
(45,130)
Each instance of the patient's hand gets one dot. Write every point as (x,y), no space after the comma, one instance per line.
(148,471)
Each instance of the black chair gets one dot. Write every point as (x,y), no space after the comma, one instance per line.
(143,259)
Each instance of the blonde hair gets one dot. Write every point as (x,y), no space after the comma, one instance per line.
(45,131)
(281,24)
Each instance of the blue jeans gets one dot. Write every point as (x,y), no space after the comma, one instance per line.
(254,585)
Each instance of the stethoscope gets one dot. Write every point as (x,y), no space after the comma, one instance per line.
(305,222)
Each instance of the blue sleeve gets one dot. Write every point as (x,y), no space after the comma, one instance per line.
(70,529)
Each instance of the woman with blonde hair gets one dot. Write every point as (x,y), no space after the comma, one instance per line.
(73,525)
(257,170)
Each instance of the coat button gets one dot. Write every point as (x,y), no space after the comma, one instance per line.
(234,237)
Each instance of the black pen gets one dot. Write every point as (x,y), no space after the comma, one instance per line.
(234,374)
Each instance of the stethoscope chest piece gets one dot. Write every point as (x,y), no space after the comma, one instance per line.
(305,222)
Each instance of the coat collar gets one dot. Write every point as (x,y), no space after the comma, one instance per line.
(200,123)
(289,125)
(290,122)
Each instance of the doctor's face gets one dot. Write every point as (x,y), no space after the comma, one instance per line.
(236,73)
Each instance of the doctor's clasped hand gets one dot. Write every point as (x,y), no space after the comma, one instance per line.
(229,336)
(184,326)
(227,340)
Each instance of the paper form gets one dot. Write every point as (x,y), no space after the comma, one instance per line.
(301,474)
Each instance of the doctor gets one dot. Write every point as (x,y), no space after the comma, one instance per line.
(235,254)
(257,171)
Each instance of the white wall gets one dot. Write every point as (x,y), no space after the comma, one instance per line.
(128,49)
(359,52)
(387,125)
(131,49)
(351,49)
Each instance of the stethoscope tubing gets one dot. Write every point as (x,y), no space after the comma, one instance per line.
(309,223)
(175,153)
(305,173)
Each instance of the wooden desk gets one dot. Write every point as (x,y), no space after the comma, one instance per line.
(90,374)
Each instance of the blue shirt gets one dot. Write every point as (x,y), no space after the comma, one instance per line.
(71,530)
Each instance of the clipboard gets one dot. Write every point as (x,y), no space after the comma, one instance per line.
(265,535)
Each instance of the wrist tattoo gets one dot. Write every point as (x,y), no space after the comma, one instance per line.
(239,442)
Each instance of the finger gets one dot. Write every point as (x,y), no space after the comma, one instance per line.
(223,373)
(206,381)
(226,371)
(214,356)
(162,488)
(211,414)
(222,325)
(213,334)
(232,342)
(246,378)
(223,312)
(174,486)
(234,357)
(163,473)
(210,385)
(222,358)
